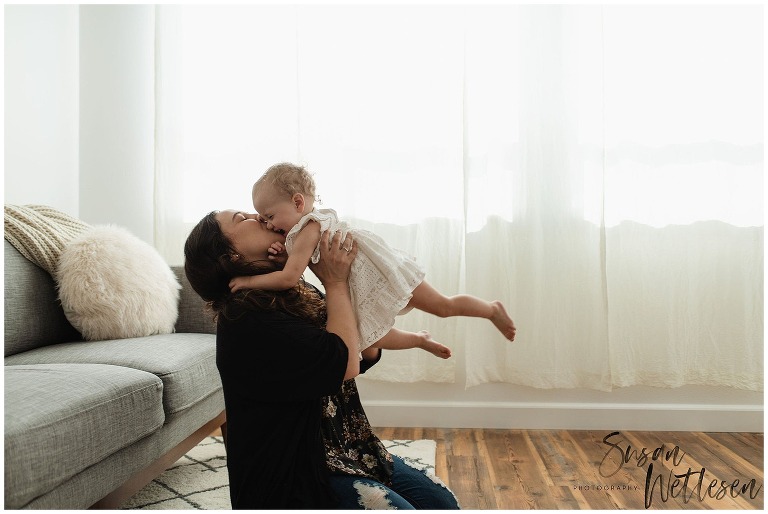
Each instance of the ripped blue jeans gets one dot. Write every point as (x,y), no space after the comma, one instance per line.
(411,489)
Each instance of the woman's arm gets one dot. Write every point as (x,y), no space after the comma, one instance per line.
(333,271)
(303,248)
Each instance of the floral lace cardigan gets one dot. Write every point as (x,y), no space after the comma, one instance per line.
(350,444)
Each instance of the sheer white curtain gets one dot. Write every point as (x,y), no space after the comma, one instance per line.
(598,169)
(684,196)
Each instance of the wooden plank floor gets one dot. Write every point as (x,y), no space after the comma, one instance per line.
(586,469)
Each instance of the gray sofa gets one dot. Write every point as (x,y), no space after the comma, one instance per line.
(89,423)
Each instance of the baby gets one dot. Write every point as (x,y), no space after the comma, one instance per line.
(383,281)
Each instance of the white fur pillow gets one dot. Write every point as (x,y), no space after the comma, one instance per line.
(113,285)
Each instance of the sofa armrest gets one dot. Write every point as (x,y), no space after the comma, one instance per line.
(193,318)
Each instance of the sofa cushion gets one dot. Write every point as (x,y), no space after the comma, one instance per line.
(113,285)
(79,413)
(33,316)
(193,316)
(186,363)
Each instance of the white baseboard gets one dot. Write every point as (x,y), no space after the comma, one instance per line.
(566,416)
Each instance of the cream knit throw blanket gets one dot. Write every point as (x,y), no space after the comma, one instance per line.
(40,233)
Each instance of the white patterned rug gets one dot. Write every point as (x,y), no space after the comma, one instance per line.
(199,479)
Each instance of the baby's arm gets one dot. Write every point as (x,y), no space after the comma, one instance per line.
(303,248)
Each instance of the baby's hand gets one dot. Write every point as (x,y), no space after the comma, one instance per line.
(277,252)
(238,283)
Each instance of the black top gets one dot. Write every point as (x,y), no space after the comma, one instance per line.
(280,376)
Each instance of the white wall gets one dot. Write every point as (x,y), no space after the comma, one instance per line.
(41,106)
(117,116)
(687,408)
(79,82)
(79,111)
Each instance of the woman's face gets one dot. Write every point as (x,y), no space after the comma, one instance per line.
(249,236)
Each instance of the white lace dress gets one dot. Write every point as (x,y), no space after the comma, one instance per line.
(382,278)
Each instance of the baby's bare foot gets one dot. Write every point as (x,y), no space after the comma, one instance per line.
(503,322)
(432,346)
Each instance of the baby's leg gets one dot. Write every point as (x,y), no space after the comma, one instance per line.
(397,339)
(428,299)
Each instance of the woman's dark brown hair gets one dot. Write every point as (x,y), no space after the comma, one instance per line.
(209,267)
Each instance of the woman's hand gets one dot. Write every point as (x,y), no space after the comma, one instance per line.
(336,258)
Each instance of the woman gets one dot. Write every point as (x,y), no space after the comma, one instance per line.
(297,435)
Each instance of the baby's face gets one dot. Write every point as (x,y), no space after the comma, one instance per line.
(278,212)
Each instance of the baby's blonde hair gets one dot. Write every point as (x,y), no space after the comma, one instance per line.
(288,179)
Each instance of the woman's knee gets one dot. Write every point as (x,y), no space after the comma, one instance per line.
(356,493)
(375,496)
